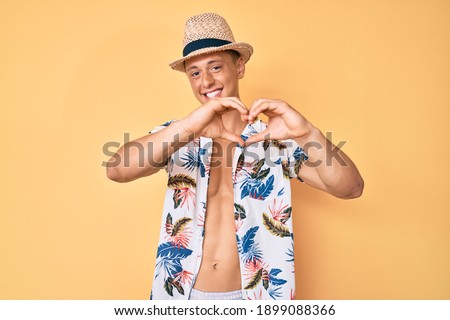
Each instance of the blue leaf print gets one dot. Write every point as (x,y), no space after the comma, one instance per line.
(281,192)
(247,246)
(251,131)
(290,254)
(248,239)
(166,124)
(275,292)
(278,161)
(170,267)
(299,153)
(245,191)
(168,251)
(201,152)
(202,170)
(274,272)
(191,160)
(264,190)
(276,282)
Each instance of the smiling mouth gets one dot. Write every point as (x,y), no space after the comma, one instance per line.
(213,94)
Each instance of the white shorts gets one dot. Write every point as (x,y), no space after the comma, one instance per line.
(203,295)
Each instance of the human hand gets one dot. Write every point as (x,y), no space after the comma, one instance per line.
(206,120)
(284,122)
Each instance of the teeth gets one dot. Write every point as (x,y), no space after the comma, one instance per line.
(213,94)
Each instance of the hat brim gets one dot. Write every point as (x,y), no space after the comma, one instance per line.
(244,49)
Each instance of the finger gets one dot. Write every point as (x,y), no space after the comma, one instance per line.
(232,137)
(233,100)
(258,102)
(238,101)
(226,105)
(263,135)
(262,107)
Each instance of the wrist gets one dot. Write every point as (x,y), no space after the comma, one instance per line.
(184,130)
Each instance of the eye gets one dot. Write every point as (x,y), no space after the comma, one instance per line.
(195,74)
(216,68)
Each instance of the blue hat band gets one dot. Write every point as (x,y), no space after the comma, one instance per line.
(203,43)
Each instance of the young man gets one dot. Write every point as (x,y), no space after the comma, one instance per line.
(226,230)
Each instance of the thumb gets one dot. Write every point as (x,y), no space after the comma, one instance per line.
(263,135)
(232,137)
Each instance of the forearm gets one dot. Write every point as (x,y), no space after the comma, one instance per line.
(148,154)
(336,170)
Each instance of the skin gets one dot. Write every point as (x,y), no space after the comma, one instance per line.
(223,118)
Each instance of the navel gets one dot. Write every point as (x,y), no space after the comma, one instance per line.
(215,264)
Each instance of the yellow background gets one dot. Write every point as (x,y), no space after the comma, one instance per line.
(77,74)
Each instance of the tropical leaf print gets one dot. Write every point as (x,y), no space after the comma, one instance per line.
(169,225)
(180,225)
(299,153)
(169,266)
(239,216)
(274,272)
(168,259)
(179,233)
(300,157)
(169,284)
(265,279)
(285,215)
(280,213)
(167,250)
(248,239)
(191,160)
(277,282)
(254,280)
(204,167)
(202,215)
(262,191)
(261,175)
(257,167)
(184,277)
(177,285)
(275,292)
(297,166)
(239,212)
(285,168)
(254,273)
(168,287)
(290,254)
(180,181)
(249,250)
(182,185)
(278,144)
(275,227)
(177,198)
(240,163)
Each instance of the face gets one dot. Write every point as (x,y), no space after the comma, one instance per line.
(215,75)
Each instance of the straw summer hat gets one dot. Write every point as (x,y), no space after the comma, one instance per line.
(207,33)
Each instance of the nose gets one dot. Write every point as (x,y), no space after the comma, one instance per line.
(207,80)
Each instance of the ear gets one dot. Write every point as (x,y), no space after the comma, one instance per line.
(240,67)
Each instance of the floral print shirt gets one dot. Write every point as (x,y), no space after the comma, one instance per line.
(261,176)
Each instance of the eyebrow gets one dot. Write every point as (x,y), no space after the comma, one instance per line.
(208,63)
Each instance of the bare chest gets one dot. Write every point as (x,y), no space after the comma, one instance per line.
(220,179)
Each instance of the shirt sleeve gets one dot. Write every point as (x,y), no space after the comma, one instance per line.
(296,158)
(160,127)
